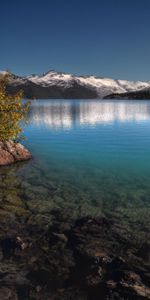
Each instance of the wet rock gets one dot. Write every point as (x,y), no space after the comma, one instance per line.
(21,243)
(88,239)
(11,152)
(111,284)
(103,272)
(8,293)
(95,278)
(132,282)
(58,237)
(53,257)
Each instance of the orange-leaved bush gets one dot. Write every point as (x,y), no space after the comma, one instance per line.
(12,111)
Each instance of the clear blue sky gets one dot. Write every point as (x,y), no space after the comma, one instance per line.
(103,37)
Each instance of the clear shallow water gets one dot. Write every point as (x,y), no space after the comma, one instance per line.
(90,158)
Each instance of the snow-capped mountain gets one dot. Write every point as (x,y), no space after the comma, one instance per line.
(62,85)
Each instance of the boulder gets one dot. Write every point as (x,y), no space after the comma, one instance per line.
(11,152)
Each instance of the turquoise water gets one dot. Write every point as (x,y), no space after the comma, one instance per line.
(90,157)
(96,155)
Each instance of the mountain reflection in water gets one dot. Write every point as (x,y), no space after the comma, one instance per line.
(66,114)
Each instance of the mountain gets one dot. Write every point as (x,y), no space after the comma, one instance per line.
(142,94)
(58,85)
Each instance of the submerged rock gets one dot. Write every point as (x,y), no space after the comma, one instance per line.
(11,152)
(106,265)
(48,253)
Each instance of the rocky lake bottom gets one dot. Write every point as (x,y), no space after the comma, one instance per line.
(74,221)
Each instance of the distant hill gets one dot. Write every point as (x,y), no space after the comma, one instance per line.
(58,85)
(142,94)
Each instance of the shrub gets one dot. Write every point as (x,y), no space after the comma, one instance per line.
(12,111)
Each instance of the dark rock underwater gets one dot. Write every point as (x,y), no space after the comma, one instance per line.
(53,253)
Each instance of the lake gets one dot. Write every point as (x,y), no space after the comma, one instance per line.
(74,220)
(96,152)
(90,157)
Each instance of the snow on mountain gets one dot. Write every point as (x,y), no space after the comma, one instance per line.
(103,86)
(64,85)
(4,73)
(52,78)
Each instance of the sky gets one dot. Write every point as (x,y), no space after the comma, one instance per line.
(109,38)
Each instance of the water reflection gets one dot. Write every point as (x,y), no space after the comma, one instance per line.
(65,114)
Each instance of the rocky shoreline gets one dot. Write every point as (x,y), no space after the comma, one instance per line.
(50,252)
(11,152)
(85,259)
